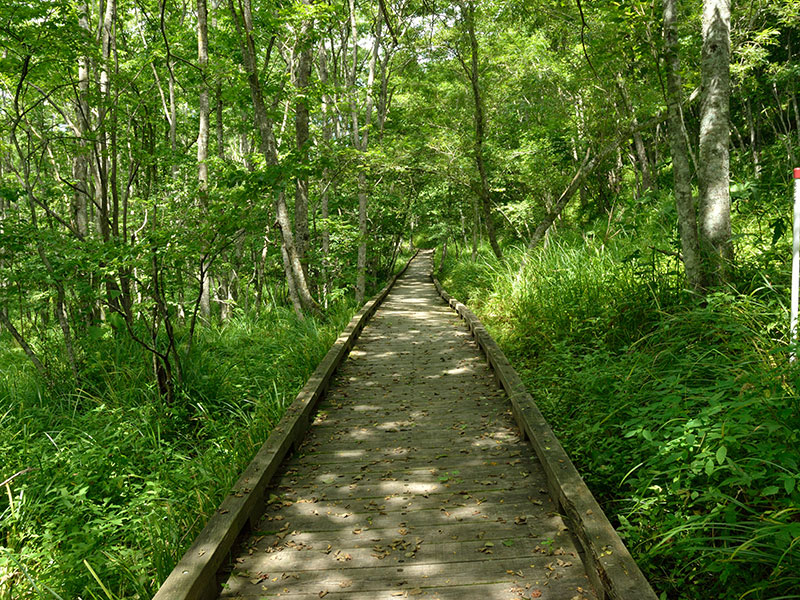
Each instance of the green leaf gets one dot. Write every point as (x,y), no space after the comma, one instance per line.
(722,452)
(789,484)
(771,490)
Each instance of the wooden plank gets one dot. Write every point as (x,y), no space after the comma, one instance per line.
(452,591)
(316,530)
(535,570)
(335,554)
(614,573)
(499,506)
(194,577)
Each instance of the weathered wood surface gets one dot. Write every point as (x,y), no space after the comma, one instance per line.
(413,480)
(612,570)
(195,577)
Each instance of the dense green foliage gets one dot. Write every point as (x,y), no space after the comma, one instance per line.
(120,482)
(682,413)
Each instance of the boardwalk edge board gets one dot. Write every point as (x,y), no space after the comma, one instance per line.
(610,567)
(195,575)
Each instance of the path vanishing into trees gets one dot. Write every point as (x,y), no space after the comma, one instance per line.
(418,470)
(413,480)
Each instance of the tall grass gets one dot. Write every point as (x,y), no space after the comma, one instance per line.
(682,413)
(121,483)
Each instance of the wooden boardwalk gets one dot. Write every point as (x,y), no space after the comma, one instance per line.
(413,481)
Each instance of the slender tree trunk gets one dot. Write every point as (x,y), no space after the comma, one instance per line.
(486,202)
(203,104)
(687,219)
(638,140)
(302,74)
(327,136)
(29,352)
(80,164)
(476,227)
(361,264)
(295,275)
(102,203)
(361,142)
(753,136)
(714,168)
(173,117)
(202,141)
(218,96)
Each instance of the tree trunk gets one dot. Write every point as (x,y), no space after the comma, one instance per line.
(301,76)
(80,165)
(202,141)
(361,142)
(29,352)
(687,219)
(714,168)
(327,136)
(753,135)
(244,26)
(486,203)
(361,265)
(476,228)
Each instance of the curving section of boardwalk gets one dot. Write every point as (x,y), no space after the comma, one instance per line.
(413,480)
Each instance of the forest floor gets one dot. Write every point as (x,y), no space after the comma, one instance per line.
(413,480)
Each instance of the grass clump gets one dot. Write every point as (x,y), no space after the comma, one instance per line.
(681,412)
(120,483)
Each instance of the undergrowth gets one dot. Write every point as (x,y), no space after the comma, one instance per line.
(682,413)
(120,483)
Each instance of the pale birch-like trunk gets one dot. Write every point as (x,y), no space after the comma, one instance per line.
(714,162)
(687,218)
(80,164)
(302,72)
(202,140)
(327,136)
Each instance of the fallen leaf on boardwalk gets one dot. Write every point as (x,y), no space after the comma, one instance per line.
(536,594)
(323,593)
(563,563)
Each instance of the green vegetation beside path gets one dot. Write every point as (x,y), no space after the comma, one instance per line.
(120,482)
(681,413)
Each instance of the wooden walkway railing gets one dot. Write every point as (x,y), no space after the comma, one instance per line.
(411,479)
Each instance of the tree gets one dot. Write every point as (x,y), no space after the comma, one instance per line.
(681,173)
(473,74)
(714,202)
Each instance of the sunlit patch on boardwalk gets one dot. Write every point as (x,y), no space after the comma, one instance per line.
(413,481)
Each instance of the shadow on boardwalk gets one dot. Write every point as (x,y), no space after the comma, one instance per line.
(413,481)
